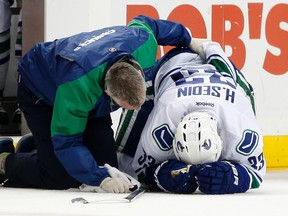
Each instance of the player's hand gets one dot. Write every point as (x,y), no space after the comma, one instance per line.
(176,176)
(223,177)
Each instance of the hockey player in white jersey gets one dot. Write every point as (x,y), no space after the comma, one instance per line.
(202,131)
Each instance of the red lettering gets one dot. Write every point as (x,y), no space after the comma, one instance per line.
(255,18)
(190,17)
(227,27)
(232,14)
(277,37)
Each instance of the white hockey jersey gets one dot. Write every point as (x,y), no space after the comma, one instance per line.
(185,84)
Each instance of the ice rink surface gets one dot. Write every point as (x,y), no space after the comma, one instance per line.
(270,199)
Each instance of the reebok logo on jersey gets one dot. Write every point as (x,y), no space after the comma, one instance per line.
(204,104)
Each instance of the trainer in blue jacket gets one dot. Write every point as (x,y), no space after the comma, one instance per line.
(67,99)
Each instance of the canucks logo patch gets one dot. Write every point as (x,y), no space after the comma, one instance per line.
(163,137)
(248,142)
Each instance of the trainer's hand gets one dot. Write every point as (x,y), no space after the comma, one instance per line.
(115,185)
(114,173)
(196,45)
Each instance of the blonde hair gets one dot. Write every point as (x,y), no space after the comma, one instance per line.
(126,82)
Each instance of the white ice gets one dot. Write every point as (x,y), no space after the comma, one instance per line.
(270,199)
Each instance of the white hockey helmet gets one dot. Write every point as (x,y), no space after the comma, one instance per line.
(196,139)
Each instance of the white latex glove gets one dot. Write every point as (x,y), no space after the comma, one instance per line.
(114,173)
(119,179)
(115,185)
(196,45)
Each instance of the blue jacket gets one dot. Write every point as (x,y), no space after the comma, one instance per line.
(69,75)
